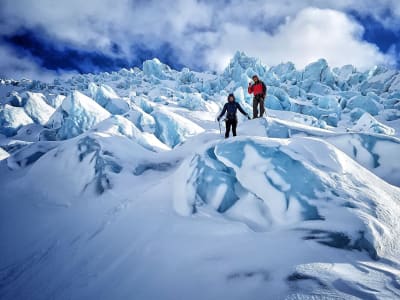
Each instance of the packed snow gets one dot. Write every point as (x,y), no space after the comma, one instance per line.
(121,186)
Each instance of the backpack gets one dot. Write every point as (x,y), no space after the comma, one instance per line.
(264,87)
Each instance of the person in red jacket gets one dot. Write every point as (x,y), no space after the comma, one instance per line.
(259,90)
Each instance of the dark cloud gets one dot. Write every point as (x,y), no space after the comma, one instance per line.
(108,34)
(387,39)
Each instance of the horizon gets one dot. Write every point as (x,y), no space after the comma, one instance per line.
(66,76)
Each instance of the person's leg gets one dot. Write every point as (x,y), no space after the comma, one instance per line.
(255,110)
(234,125)
(262,108)
(227,128)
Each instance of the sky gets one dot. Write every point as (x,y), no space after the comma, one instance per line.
(42,39)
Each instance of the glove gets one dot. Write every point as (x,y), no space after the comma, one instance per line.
(218,119)
(248,117)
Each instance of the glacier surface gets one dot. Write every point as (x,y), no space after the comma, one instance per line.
(120,185)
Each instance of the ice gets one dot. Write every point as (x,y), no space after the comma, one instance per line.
(96,157)
(356,114)
(391,114)
(29,154)
(107,98)
(30,133)
(366,103)
(16,99)
(113,178)
(280,183)
(77,114)
(345,72)
(329,103)
(142,120)
(55,100)
(281,96)
(119,125)
(37,108)
(243,64)
(3,154)
(368,123)
(318,71)
(193,101)
(155,68)
(359,146)
(172,128)
(12,118)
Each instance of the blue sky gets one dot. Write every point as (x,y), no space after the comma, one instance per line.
(45,38)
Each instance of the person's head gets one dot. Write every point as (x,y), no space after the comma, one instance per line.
(231,98)
(255,78)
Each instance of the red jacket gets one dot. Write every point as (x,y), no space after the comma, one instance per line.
(258,88)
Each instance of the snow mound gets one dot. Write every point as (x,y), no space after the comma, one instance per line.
(97,157)
(375,152)
(172,128)
(368,123)
(141,119)
(107,98)
(118,125)
(155,68)
(29,154)
(270,184)
(13,118)
(37,108)
(364,102)
(77,114)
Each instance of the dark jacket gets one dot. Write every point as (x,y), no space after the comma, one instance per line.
(231,109)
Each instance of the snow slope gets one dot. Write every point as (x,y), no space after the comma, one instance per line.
(120,185)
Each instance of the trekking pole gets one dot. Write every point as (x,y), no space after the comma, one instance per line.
(219,124)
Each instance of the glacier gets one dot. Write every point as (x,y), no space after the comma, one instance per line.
(120,185)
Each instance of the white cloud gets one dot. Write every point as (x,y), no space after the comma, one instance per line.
(16,67)
(225,28)
(312,34)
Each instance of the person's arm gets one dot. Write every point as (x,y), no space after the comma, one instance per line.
(250,88)
(241,109)
(223,111)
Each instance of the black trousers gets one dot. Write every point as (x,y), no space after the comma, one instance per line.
(228,125)
(258,100)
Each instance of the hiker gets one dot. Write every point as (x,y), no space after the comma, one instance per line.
(259,90)
(231,108)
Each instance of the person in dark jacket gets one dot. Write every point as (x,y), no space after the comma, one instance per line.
(230,108)
(259,90)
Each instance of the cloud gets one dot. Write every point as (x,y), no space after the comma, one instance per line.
(312,34)
(201,34)
(17,67)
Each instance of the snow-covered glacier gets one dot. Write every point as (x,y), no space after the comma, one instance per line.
(121,186)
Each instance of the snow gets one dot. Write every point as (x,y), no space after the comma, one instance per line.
(12,118)
(3,154)
(107,98)
(76,114)
(368,123)
(116,125)
(173,129)
(364,102)
(37,108)
(130,191)
(155,68)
